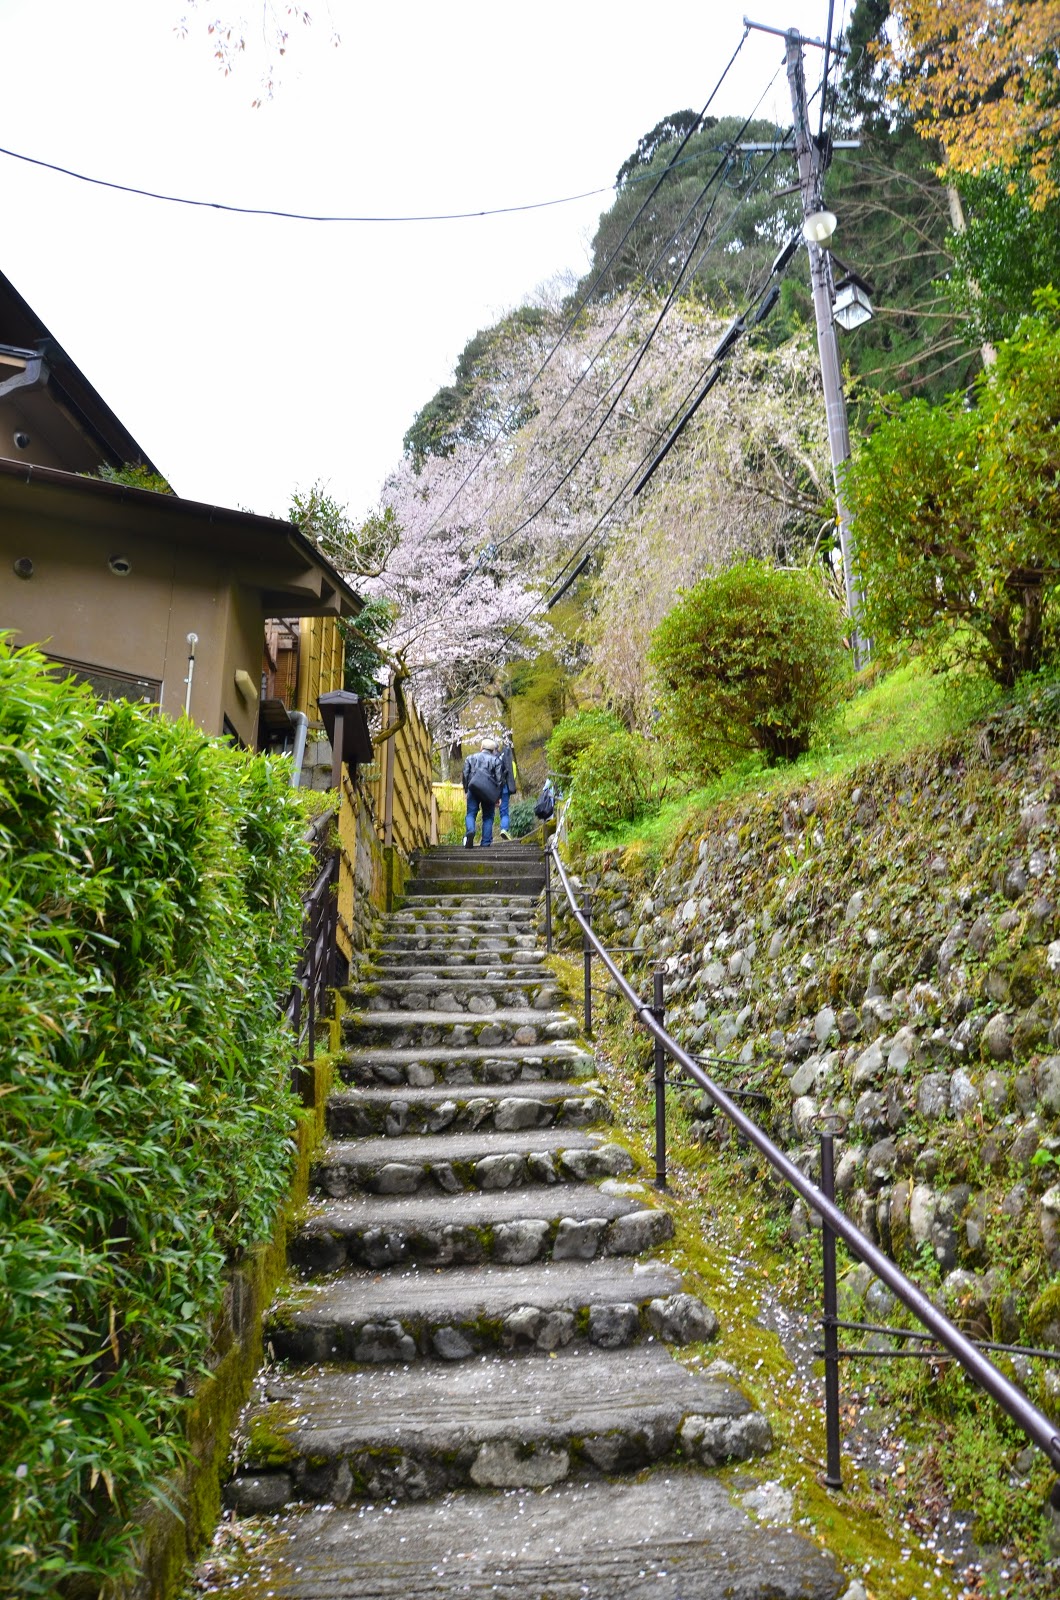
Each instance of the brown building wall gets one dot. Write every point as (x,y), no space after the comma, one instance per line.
(76,607)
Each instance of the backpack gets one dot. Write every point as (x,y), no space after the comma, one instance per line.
(546,803)
(485,780)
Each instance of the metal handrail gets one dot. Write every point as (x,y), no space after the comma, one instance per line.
(314,971)
(1035,1424)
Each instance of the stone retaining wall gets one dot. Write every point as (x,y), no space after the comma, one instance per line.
(886,948)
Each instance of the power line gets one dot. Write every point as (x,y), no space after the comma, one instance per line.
(584,299)
(629,373)
(627,379)
(562,580)
(304,216)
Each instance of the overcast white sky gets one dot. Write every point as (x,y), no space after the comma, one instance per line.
(251,355)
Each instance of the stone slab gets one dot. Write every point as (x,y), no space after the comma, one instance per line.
(672,1536)
(532,1403)
(553,1090)
(368,1155)
(476,1208)
(440,1056)
(326,1321)
(361,1021)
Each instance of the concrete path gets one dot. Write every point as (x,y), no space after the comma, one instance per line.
(470,1388)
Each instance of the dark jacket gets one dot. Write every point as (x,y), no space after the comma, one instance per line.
(508,763)
(487,765)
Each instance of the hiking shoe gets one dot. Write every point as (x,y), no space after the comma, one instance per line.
(469,841)
(506,835)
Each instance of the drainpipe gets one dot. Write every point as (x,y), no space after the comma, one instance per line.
(301,722)
(193,639)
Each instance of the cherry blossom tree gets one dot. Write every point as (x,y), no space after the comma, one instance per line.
(261,32)
(490,531)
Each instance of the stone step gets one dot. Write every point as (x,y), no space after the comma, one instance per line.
(493,906)
(454,1162)
(477,992)
(513,1227)
(526,883)
(461,1312)
(677,1535)
(480,1064)
(392,1113)
(457,1030)
(512,848)
(441,941)
(462,963)
(480,861)
(472,913)
(503,1423)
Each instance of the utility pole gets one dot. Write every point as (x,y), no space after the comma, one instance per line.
(808,154)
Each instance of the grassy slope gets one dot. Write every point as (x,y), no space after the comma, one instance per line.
(885,716)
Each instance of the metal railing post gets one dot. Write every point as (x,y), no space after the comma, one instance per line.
(311,978)
(658,1011)
(548,899)
(833,1477)
(587,963)
(1038,1427)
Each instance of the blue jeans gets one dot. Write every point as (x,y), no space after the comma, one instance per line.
(505,797)
(474,802)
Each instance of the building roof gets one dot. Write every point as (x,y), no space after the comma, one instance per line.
(275,557)
(61,401)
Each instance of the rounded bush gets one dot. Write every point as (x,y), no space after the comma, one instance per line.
(571,737)
(522,818)
(752,658)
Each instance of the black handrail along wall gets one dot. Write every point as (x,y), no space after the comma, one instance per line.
(1035,1424)
(315,972)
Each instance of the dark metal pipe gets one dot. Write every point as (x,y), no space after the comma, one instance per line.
(659,1013)
(548,900)
(833,1475)
(980,1344)
(587,961)
(1035,1424)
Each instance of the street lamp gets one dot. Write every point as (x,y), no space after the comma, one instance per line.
(852,306)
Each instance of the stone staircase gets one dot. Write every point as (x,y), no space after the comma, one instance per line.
(469,1375)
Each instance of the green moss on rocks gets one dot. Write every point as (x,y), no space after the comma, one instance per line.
(1043,1318)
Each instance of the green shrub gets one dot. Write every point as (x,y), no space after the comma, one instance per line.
(149,917)
(955,516)
(521,818)
(575,734)
(750,659)
(620,777)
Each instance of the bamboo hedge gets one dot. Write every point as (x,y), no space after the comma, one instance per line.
(149,917)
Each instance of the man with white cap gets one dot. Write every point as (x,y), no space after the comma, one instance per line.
(483,781)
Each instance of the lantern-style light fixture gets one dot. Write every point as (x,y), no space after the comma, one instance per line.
(852,306)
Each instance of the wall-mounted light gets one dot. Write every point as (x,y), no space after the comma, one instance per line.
(22,439)
(23,567)
(121,566)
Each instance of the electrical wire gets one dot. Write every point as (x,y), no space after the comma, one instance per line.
(525,522)
(494,547)
(649,274)
(719,172)
(305,216)
(584,299)
(582,554)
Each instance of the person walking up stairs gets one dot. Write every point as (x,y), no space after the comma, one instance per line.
(470,1374)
